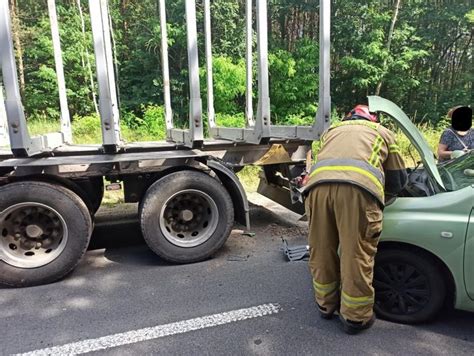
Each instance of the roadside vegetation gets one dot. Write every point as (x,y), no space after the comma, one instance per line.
(416,53)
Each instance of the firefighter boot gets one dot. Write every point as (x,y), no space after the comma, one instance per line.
(355,327)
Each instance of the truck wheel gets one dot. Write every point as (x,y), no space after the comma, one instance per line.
(186,216)
(44,232)
(409,287)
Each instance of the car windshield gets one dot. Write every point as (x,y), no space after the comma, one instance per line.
(458,173)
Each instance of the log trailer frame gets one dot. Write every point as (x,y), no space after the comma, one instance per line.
(186,187)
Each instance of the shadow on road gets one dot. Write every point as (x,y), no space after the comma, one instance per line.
(118,227)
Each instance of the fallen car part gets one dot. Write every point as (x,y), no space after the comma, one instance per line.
(295,253)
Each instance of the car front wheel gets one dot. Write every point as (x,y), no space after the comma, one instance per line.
(409,287)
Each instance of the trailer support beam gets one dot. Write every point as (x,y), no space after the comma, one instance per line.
(58,60)
(108,102)
(165,69)
(194,136)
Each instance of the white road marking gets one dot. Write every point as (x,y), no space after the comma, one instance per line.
(180,327)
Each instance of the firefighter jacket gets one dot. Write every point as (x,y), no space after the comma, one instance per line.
(361,153)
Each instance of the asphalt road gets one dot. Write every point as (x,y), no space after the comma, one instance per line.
(122,287)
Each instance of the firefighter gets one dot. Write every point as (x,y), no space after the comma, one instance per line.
(358,166)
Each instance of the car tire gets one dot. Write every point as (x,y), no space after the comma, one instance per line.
(186,216)
(409,286)
(44,232)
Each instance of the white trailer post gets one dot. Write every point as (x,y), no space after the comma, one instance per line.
(194,136)
(108,101)
(58,60)
(166,70)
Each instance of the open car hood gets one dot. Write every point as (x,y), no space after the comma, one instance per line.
(378,104)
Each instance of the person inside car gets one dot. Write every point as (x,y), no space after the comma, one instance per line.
(459,137)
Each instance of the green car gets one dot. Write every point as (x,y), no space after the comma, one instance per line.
(426,252)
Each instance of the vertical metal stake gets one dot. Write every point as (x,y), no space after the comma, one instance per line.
(104,7)
(165,69)
(210,84)
(20,141)
(58,59)
(249,63)
(108,103)
(323,116)
(263,113)
(195,104)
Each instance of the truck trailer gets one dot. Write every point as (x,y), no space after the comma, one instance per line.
(186,187)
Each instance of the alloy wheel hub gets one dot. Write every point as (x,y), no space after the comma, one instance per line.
(32,235)
(189,218)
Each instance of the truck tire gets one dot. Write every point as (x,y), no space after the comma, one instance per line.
(90,190)
(44,232)
(186,216)
(409,287)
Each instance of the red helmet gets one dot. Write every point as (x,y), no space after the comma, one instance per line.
(361,112)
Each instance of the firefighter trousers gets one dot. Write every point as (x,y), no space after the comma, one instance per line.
(343,217)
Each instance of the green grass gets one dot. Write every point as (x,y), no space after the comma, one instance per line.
(409,153)
(86,130)
(112,198)
(43,126)
(249,177)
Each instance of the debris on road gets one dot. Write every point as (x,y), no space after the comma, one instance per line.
(238,258)
(295,253)
(249,234)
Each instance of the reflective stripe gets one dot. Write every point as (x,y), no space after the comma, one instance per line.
(356,302)
(323,138)
(349,162)
(324,289)
(394,148)
(352,169)
(372,125)
(374,158)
